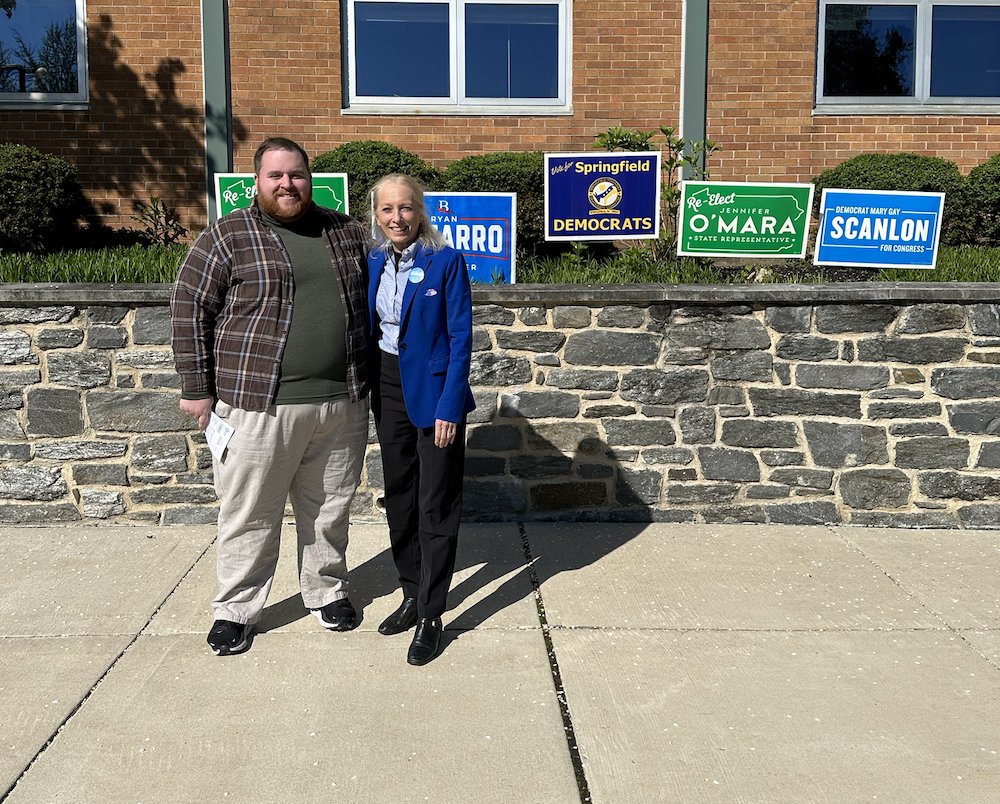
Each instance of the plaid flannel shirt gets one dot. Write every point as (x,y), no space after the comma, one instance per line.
(231,307)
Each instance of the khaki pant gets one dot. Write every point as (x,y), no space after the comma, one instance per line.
(311,453)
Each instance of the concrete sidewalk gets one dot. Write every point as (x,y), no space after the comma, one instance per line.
(645,663)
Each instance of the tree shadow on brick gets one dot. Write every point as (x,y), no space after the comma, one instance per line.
(141,138)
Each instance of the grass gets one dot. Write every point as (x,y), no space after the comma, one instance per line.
(580,265)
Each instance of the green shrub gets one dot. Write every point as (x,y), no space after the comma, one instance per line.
(509,172)
(907,172)
(123,264)
(367,161)
(40,200)
(982,203)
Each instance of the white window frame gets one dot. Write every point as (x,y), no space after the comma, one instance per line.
(58,100)
(921,101)
(457,103)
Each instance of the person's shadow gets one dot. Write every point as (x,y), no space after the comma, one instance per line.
(518,472)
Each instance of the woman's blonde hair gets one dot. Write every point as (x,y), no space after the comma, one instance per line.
(427,235)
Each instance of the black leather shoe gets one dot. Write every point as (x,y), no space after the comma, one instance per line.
(402,619)
(426,639)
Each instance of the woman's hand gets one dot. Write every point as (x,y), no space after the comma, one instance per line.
(444,432)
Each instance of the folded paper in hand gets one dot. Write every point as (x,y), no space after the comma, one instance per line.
(218,434)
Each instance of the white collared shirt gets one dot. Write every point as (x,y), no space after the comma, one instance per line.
(389,297)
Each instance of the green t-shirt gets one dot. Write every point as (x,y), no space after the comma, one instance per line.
(314,364)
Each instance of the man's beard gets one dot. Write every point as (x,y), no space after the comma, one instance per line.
(272,206)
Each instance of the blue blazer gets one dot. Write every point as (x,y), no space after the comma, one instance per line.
(435,334)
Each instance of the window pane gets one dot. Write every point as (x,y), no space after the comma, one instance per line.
(40,43)
(511,51)
(402,50)
(965,52)
(869,50)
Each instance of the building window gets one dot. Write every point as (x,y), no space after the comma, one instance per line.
(43,53)
(458,56)
(926,55)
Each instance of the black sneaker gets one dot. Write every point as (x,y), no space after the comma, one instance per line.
(337,616)
(227,638)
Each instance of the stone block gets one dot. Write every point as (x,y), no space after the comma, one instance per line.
(975,417)
(809,513)
(980,382)
(136,411)
(911,350)
(492,369)
(958,486)
(568,437)
(984,319)
(612,348)
(38,514)
(15,347)
(106,314)
(776,457)
(59,337)
(726,333)
(721,463)
(36,315)
(26,482)
(837,318)
(921,318)
(859,378)
(54,412)
(794,402)
(100,474)
(571,317)
(539,467)
(932,453)
(533,316)
(789,319)
(80,450)
(493,437)
(105,337)
(528,341)
(903,410)
(980,516)
(151,325)
(539,405)
(150,359)
(756,433)
(734,514)
(641,432)
(697,493)
(918,429)
(638,486)
(751,366)
(698,425)
(608,411)
(667,455)
(492,314)
(191,515)
(79,369)
(806,347)
(803,478)
(666,387)
(621,316)
(475,466)
(160,453)
(573,494)
(99,504)
(838,445)
(875,488)
(582,379)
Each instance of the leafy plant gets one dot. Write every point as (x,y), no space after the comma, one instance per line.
(41,198)
(161,225)
(367,161)
(678,154)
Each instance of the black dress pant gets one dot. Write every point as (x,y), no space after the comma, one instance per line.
(423,494)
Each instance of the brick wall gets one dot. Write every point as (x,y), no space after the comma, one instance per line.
(143,134)
(868,405)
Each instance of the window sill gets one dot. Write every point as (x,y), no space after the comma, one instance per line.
(457,111)
(41,106)
(963,109)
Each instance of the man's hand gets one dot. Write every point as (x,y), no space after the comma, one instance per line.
(199,409)
(444,432)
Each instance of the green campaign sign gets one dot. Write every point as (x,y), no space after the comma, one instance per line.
(743,220)
(237,190)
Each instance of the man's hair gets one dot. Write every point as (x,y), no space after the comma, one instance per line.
(278,144)
(427,235)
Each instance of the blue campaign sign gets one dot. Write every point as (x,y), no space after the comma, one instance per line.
(879,228)
(483,226)
(602,196)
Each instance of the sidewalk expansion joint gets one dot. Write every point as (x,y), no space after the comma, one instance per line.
(114,663)
(571,743)
(945,625)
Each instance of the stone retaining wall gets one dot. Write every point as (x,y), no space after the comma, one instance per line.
(869,404)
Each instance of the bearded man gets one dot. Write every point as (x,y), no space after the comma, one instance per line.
(269,320)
